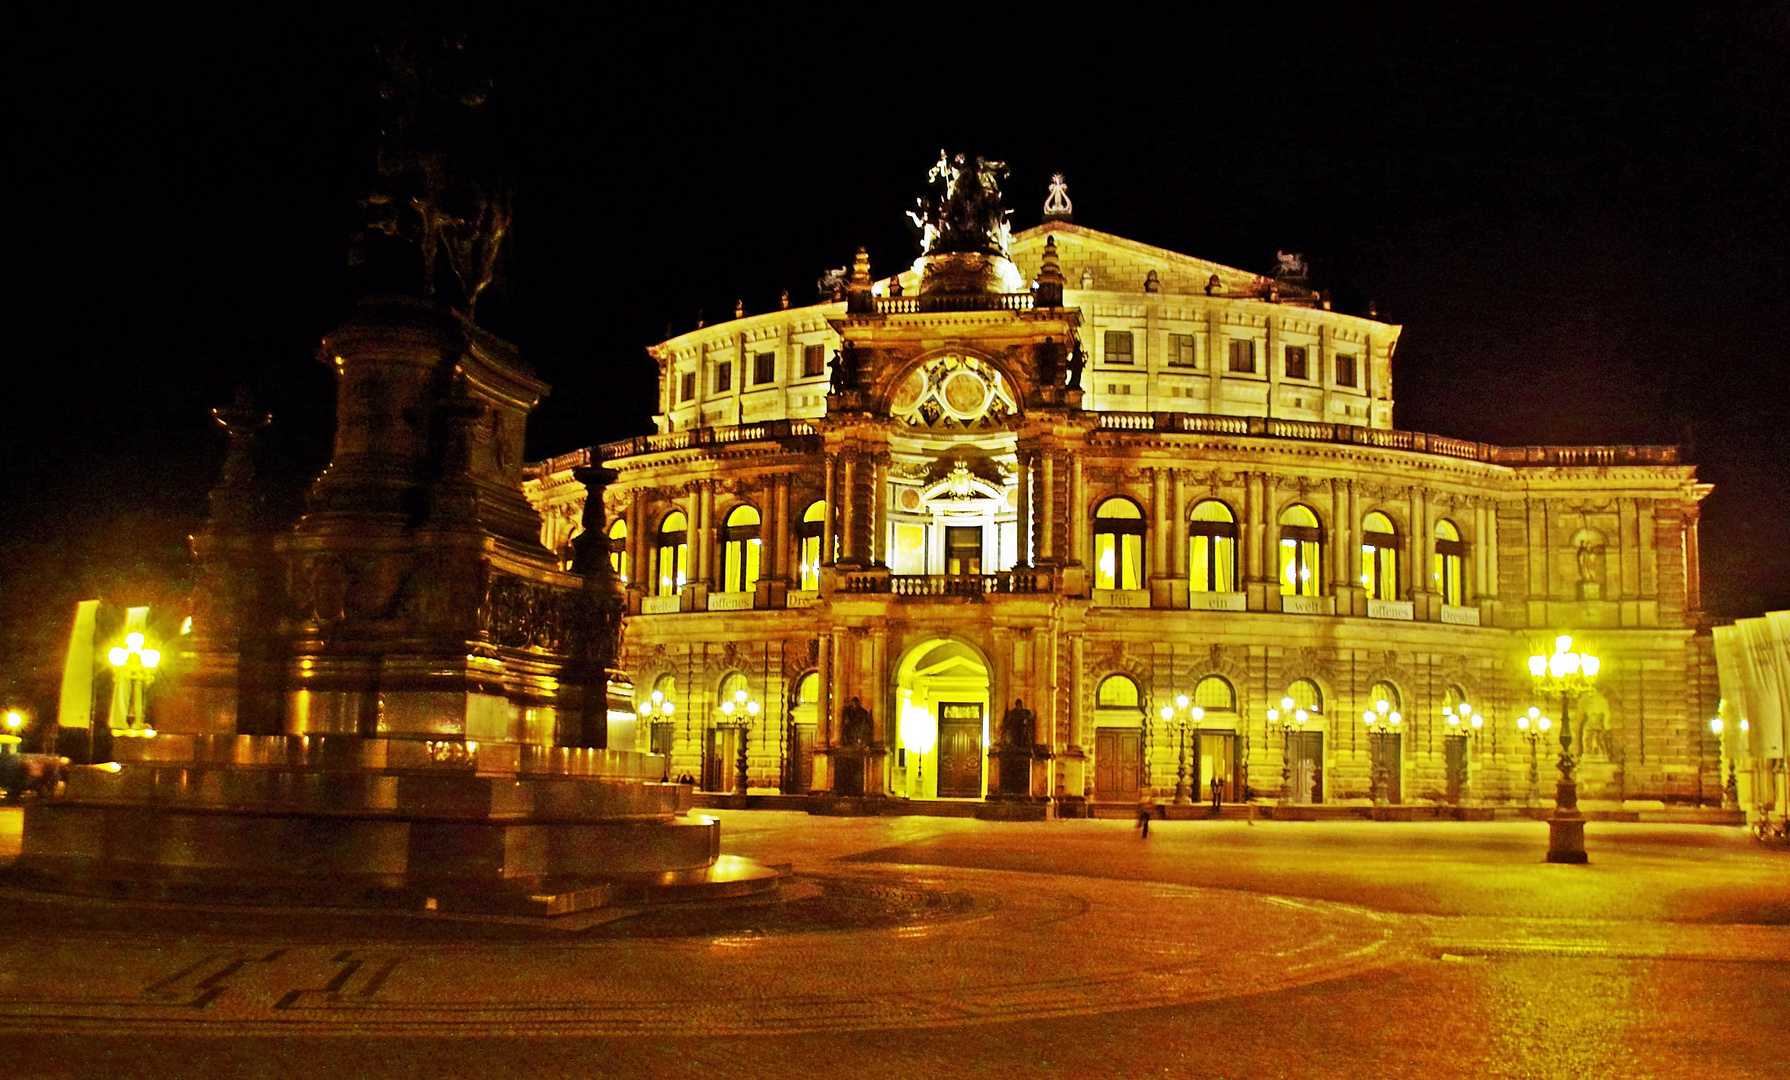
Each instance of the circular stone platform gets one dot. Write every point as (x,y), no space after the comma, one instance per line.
(877,949)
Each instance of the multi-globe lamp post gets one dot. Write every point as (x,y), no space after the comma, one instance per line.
(1731,787)
(1533,726)
(1291,718)
(740,712)
(1179,718)
(135,663)
(661,706)
(1569,674)
(1463,721)
(919,734)
(1382,721)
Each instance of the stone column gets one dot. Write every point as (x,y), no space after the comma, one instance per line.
(879,511)
(848,508)
(706,565)
(1078,512)
(1159,524)
(829,512)
(780,500)
(1048,517)
(1177,540)
(1022,511)
(1413,575)
(1693,574)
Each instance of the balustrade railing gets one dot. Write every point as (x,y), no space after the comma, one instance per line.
(928,302)
(1019,582)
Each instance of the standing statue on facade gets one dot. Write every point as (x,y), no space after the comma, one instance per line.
(1078,361)
(855,728)
(1019,726)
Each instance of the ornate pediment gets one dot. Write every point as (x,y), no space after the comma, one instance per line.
(953,393)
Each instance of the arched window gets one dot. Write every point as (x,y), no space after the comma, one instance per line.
(1304,694)
(618,549)
(808,690)
(814,521)
(1301,552)
(1458,712)
(1118,545)
(1212,548)
(1383,702)
(1214,693)
(1379,557)
(1116,692)
(672,561)
(732,696)
(740,550)
(1449,560)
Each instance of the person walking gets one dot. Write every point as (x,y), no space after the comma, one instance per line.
(1217,795)
(1145,808)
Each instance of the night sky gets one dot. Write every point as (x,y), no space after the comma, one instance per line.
(1581,225)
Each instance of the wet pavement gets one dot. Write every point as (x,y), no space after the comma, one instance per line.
(953,947)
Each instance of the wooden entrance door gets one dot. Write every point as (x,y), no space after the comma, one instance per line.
(1386,757)
(1305,766)
(719,770)
(1218,757)
(1454,749)
(960,750)
(801,758)
(1118,763)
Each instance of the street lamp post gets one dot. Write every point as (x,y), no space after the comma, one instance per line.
(1730,789)
(136,665)
(1291,718)
(661,706)
(1568,674)
(741,711)
(1178,718)
(1382,721)
(1534,727)
(1462,722)
(10,739)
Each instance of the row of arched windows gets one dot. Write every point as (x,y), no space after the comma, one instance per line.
(1212,551)
(742,550)
(1214,693)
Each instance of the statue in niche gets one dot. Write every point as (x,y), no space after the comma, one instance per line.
(961,212)
(855,728)
(1590,560)
(1019,726)
(1078,361)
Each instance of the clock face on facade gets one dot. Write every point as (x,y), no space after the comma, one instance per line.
(953,391)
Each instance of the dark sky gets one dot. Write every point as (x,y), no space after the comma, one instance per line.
(1580,220)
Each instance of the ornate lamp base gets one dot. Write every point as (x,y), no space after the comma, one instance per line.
(1566,828)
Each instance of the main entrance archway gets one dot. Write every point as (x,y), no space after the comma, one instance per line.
(941,706)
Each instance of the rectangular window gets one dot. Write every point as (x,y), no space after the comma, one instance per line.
(963,549)
(1345,369)
(764,368)
(1243,355)
(814,361)
(724,377)
(1118,346)
(1181,351)
(1296,368)
(687,389)
(908,549)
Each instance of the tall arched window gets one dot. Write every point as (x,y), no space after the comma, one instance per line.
(814,521)
(1304,694)
(1214,693)
(1117,692)
(618,549)
(1383,700)
(1301,552)
(1379,557)
(1212,548)
(741,547)
(672,562)
(1118,545)
(1449,560)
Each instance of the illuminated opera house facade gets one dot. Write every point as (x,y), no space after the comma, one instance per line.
(1057,518)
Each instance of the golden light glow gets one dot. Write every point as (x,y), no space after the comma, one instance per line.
(15,719)
(133,641)
(152,657)
(118,655)
(1715,724)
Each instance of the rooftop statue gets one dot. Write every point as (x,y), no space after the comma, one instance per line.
(438,195)
(961,212)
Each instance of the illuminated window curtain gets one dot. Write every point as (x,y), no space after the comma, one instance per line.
(1379,557)
(741,550)
(1212,548)
(1118,545)
(808,531)
(1301,552)
(1448,563)
(618,549)
(673,554)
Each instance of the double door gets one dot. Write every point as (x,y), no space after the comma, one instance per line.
(960,750)
(1218,758)
(1305,766)
(720,770)
(1118,764)
(1386,758)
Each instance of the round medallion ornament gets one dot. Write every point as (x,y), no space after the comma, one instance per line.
(964,395)
(909,500)
(909,393)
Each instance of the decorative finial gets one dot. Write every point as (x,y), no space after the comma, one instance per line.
(1373,310)
(1324,298)
(739,309)
(1152,282)
(1087,277)
(1057,206)
(699,320)
(857,288)
(783,301)
(1050,276)
(1213,285)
